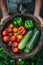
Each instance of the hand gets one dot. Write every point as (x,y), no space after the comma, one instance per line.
(41,20)
(3,19)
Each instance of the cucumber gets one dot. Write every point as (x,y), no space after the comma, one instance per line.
(33,41)
(25,39)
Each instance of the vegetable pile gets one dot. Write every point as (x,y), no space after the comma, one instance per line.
(21,35)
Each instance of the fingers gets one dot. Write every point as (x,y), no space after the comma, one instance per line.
(42,23)
(3,20)
(41,20)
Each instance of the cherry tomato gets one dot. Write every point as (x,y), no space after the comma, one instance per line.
(15,50)
(13,39)
(10,34)
(22,30)
(4,33)
(9,43)
(16,34)
(20,37)
(5,39)
(18,40)
(10,30)
(15,44)
(11,26)
(15,30)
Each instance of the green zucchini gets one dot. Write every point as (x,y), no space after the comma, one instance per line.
(25,39)
(33,41)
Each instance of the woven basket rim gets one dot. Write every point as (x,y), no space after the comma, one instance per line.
(32,53)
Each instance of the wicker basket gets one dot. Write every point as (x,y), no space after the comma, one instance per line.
(22,55)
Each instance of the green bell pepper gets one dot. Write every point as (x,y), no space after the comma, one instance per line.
(18,21)
(29,24)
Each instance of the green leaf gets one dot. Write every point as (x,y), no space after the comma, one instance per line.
(11,60)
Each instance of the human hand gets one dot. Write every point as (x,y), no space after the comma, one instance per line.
(3,19)
(40,19)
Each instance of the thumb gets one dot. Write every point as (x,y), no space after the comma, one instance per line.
(3,19)
(1,23)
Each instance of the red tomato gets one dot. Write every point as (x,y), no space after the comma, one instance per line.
(4,33)
(22,30)
(9,43)
(10,34)
(15,44)
(18,40)
(5,39)
(10,30)
(22,27)
(13,39)
(15,50)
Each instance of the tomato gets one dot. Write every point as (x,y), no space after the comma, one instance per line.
(15,50)
(22,30)
(10,30)
(16,34)
(9,43)
(18,40)
(15,44)
(10,34)
(15,30)
(11,26)
(20,37)
(4,33)
(13,39)
(5,39)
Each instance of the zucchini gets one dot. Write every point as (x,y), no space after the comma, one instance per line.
(25,39)
(33,41)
